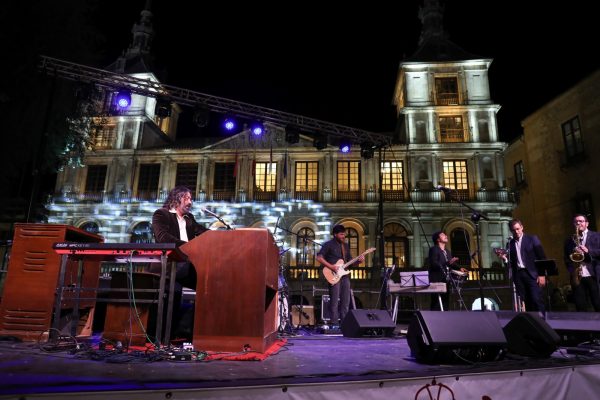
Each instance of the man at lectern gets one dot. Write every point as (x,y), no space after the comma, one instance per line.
(174,223)
(440,264)
(334,256)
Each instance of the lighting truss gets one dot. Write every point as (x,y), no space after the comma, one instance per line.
(114,81)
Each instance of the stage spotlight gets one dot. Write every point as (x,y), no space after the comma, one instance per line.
(367,150)
(229,124)
(345,146)
(123,98)
(320,142)
(201,117)
(162,108)
(292,134)
(257,128)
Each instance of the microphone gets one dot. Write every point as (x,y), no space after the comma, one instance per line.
(509,238)
(204,210)
(443,188)
(276,226)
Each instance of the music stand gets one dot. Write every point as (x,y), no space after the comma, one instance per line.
(416,279)
(547,268)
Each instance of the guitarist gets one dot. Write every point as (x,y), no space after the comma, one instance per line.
(330,254)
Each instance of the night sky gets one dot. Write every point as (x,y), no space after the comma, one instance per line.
(343,68)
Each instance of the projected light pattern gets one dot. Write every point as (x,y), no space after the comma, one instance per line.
(117,221)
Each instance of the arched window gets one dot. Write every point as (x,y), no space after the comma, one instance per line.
(459,245)
(306,247)
(352,238)
(90,227)
(142,233)
(396,245)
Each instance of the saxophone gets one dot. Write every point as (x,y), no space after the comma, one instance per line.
(577,257)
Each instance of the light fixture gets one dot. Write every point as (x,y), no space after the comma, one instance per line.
(257,128)
(162,108)
(229,124)
(292,134)
(201,117)
(367,149)
(345,146)
(320,141)
(123,98)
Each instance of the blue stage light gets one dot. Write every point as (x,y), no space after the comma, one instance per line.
(229,124)
(345,147)
(123,98)
(257,128)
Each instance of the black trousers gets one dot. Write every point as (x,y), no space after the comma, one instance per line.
(587,289)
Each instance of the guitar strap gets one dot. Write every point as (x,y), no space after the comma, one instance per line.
(343,252)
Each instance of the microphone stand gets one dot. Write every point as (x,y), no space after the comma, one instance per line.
(219,218)
(301,312)
(515,297)
(475,217)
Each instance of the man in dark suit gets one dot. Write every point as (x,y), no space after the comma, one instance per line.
(584,274)
(524,250)
(440,264)
(174,223)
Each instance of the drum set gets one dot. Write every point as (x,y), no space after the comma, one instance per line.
(457,278)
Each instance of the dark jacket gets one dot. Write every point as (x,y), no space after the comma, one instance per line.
(438,264)
(531,250)
(591,257)
(166,228)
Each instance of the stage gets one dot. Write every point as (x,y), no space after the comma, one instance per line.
(308,366)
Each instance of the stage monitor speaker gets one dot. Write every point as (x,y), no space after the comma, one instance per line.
(575,328)
(455,337)
(359,323)
(529,335)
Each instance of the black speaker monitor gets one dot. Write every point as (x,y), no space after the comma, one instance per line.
(359,323)
(455,337)
(529,335)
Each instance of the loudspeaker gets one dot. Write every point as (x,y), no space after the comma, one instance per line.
(529,335)
(359,323)
(455,336)
(575,328)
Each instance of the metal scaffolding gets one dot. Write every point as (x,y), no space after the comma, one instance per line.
(115,82)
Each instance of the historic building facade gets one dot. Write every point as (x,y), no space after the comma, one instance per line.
(553,167)
(298,185)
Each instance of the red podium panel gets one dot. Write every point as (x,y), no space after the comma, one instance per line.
(236,291)
(32,278)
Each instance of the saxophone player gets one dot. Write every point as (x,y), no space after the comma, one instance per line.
(581,258)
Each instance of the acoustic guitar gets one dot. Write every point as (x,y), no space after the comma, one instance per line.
(334,277)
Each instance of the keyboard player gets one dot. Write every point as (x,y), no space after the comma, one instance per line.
(440,263)
(174,223)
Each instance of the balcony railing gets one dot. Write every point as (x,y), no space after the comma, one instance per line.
(452,135)
(371,195)
(447,99)
(306,195)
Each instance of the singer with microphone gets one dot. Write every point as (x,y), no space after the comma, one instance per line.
(174,223)
(523,251)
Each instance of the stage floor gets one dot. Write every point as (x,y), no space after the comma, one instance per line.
(308,366)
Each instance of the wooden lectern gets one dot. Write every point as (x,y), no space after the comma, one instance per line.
(236,290)
(32,278)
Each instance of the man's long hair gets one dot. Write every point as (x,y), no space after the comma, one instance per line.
(175,196)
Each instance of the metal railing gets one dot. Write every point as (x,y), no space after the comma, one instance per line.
(371,195)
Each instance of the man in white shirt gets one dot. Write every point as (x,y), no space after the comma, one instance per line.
(584,281)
